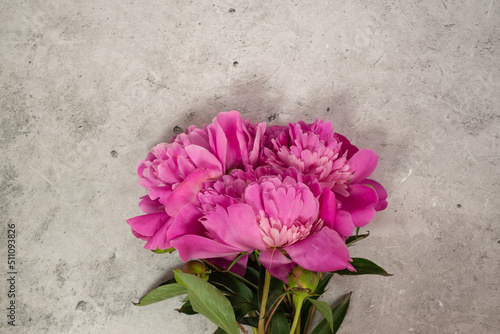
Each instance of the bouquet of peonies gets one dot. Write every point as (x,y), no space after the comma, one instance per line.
(262,217)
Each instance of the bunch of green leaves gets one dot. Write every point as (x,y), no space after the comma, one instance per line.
(231,301)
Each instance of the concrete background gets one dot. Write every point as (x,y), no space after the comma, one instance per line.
(87,88)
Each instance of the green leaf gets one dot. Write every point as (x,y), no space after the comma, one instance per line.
(161,293)
(252,275)
(338,314)
(324,309)
(322,284)
(219,269)
(187,308)
(250,321)
(306,308)
(279,324)
(355,238)
(241,307)
(209,301)
(363,267)
(339,311)
(233,285)
(161,251)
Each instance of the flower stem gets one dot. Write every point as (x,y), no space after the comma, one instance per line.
(265,294)
(242,329)
(300,301)
(308,323)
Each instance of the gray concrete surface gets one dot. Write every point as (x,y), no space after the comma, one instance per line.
(87,88)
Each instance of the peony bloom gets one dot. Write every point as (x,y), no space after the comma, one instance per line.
(174,173)
(278,216)
(315,150)
(311,149)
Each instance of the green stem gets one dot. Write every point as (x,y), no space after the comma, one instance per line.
(300,301)
(265,294)
(308,323)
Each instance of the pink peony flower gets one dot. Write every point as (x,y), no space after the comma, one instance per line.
(278,216)
(174,173)
(315,150)
(311,149)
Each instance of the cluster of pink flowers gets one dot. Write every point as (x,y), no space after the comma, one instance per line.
(294,193)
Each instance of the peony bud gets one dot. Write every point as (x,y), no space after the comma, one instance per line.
(196,268)
(301,279)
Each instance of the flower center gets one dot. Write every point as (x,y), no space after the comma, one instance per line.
(276,234)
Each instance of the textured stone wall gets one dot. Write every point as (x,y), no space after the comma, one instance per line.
(87,88)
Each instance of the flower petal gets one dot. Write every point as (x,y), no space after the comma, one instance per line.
(236,227)
(381,192)
(328,209)
(203,158)
(159,239)
(346,146)
(360,204)
(255,152)
(186,192)
(148,205)
(362,163)
(343,224)
(231,125)
(322,251)
(276,263)
(218,143)
(253,197)
(186,222)
(192,247)
(147,225)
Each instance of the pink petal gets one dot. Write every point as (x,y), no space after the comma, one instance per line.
(256,149)
(276,263)
(232,127)
(218,143)
(360,204)
(310,208)
(148,205)
(362,163)
(147,225)
(343,224)
(159,239)
(203,158)
(322,251)
(186,222)
(236,227)
(184,168)
(196,138)
(346,146)
(154,191)
(198,247)
(253,197)
(186,192)
(328,207)
(381,192)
